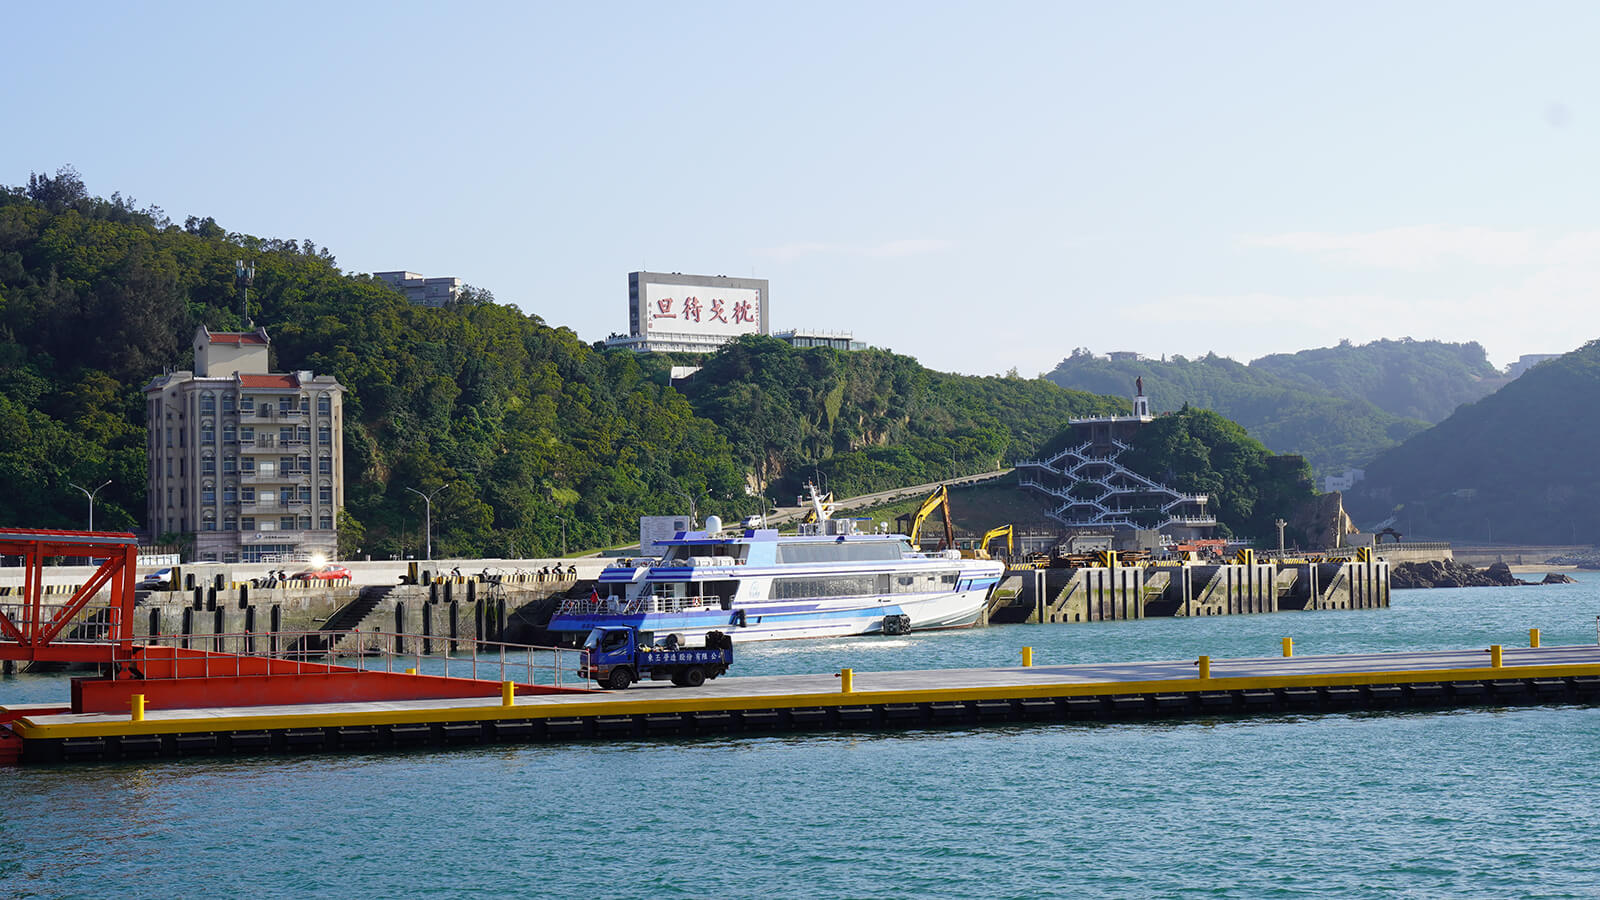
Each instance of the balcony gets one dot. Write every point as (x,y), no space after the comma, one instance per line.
(273,414)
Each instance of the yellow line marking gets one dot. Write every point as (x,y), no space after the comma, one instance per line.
(536,710)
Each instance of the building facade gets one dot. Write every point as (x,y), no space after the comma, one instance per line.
(246,460)
(677,313)
(420,290)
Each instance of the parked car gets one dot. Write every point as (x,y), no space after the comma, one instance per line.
(324,573)
(159,580)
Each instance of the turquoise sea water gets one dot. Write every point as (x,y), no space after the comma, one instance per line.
(1476,803)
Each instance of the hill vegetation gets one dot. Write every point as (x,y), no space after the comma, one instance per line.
(1337,406)
(870,420)
(534,430)
(1517,466)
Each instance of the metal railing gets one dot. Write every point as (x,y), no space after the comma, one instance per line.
(355,652)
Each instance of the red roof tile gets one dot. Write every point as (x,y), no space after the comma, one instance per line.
(234,338)
(269,381)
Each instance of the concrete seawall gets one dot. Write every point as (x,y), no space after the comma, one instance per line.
(1105,594)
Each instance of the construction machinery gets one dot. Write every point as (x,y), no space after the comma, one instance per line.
(912,524)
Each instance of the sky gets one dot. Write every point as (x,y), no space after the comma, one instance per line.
(984,186)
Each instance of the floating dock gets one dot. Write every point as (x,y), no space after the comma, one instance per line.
(845,701)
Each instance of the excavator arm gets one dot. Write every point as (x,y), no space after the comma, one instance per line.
(1003,531)
(940,498)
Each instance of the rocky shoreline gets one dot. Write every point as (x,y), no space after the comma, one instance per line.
(1453,574)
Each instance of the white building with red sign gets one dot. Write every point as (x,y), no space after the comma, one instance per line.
(676,313)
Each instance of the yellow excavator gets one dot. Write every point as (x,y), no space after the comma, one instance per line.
(939,499)
(1005,531)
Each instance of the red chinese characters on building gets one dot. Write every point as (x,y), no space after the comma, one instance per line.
(664,309)
(741,312)
(691,308)
(717,313)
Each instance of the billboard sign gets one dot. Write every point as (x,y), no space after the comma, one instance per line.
(700,309)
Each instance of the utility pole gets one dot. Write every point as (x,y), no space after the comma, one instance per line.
(90,494)
(428,500)
(1280,523)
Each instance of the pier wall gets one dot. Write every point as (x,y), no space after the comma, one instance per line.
(1120,593)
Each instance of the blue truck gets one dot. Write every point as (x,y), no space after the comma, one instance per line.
(619,655)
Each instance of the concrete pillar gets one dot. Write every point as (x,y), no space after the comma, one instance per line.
(427,628)
(455,609)
(399,626)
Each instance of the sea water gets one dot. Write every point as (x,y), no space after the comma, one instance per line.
(1485,802)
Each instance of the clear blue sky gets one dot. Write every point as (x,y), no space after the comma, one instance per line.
(983,186)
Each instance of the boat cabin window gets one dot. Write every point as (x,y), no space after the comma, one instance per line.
(839,551)
(681,553)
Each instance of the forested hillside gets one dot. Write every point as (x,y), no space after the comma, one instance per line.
(1423,380)
(1287,414)
(870,420)
(529,426)
(1516,466)
(1199,451)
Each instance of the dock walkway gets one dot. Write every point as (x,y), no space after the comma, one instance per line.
(878,700)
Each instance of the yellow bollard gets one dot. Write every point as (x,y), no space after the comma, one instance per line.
(1288,647)
(508,693)
(1533,638)
(1027,657)
(411,671)
(1205,667)
(137,703)
(847,681)
(1494,656)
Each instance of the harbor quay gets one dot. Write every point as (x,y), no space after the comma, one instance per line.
(841,701)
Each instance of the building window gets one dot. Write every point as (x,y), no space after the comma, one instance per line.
(304,434)
(248,523)
(208,466)
(286,464)
(324,404)
(230,494)
(324,435)
(208,435)
(247,434)
(305,493)
(247,405)
(227,403)
(210,525)
(247,464)
(324,466)
(229,464)
(208,494)
(169,435)
(182,464)
(286,523)
(325,523)
(325,494)
(228,436)
(230,524)
(285,404)
(305,403)
(247,494)
(208,404)
(169,467)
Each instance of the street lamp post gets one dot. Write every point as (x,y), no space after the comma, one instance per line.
(427,500)
(90,494)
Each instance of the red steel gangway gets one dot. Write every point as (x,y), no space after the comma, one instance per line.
(31,632)
(178,677)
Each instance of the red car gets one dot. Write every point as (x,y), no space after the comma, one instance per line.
(326,573)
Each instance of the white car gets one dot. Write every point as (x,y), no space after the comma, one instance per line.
(159,580)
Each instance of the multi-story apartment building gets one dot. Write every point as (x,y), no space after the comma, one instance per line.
(246,460)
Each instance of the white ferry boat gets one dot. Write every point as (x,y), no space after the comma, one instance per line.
(754,584)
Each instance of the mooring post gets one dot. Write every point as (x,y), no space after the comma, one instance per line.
(1495,656)
(1027,657)
(136,702)
(1205,667)
(508,693)
(847,681)
(1288,647)
(1533,638)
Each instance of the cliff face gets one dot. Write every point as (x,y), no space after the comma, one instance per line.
(1322,521)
